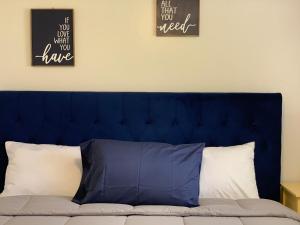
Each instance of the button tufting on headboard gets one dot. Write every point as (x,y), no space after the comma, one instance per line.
(149,121)
(175,122)
(96,121)
(68,118)
(122,122)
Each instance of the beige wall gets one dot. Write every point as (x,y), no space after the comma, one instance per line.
(244,45)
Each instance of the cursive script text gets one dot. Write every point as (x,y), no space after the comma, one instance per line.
(53,57)
(165,28)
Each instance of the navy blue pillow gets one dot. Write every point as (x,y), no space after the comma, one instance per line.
(139,173)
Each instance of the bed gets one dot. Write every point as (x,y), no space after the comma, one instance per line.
(218,119)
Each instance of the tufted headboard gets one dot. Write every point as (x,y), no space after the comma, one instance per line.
(218,119)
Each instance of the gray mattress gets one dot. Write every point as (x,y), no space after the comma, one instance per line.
(41,210)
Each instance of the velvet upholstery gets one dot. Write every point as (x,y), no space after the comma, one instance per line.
(218,119)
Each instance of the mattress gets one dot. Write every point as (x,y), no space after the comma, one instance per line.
(37,210)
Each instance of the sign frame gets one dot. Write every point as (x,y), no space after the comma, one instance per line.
(177,18)
(52,37)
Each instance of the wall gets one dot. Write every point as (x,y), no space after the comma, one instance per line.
(244,45)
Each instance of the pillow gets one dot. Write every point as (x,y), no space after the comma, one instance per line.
(139,173)
(42,170)
(228,172)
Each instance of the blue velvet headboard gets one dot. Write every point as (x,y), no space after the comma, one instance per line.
(69,118)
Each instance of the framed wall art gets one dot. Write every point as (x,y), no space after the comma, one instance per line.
(52,37)
(177,18)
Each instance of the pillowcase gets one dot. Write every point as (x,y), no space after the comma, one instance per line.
(228,172)
(139,173)
(42,170)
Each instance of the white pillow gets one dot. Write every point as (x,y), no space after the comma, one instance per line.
(228,172)
(42,170)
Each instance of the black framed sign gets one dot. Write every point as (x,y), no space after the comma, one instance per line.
(52,37)
(177,17)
